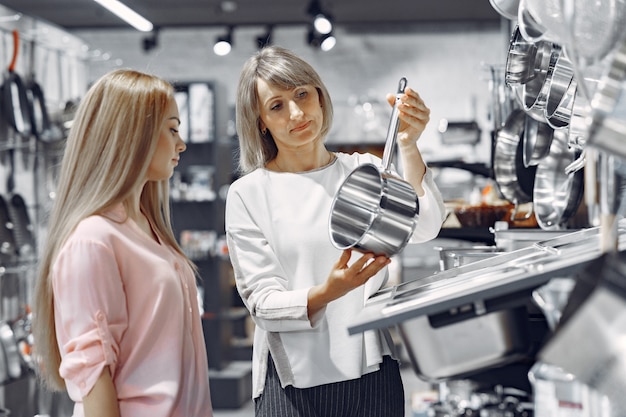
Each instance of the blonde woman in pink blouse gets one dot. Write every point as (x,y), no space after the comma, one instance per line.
(116,317)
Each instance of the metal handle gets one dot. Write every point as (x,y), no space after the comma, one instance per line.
(392,131)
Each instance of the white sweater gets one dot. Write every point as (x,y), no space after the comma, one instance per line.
(279,246)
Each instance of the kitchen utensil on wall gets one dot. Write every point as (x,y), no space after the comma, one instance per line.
(534,93)
(15,101)
(537,139)
(557,193)
(8,251)
(589,29)
(514,181)
(561,91)
(22,226)
(373,210)
(507,8)
(607,123)
(520,61)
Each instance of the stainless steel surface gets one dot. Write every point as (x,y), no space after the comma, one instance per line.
(520,61)
(561,93)
(557,194)
(453,257)
(588,29)
(508,173)
(537,139)
(512,239)
(534,93)
(463,347)
(507,8)
(506,274)
(607,130)
(373,210)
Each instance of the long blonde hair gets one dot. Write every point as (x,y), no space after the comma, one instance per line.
(282,68)
(109,147)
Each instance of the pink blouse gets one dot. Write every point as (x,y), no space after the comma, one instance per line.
(123,300)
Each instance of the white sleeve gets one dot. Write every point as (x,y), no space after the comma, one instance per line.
(260,280)
(432,211)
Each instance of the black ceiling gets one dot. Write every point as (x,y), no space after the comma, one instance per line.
(87,14)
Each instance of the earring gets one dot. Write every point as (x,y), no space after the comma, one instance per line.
(264,131)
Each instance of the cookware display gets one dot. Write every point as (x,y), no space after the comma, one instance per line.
(514,180)
(520,61)
(607,127)
(590,29)
(374,210)
(537,139)
(557,192)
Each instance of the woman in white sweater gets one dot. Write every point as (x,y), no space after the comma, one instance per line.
(301,291)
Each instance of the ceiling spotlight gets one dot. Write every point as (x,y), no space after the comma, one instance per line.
(321,20)
(150,42)
(328,42)
(224,43)
(265,39)
(324,42)
(322,24)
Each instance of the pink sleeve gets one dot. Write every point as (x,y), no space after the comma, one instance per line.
(90,312)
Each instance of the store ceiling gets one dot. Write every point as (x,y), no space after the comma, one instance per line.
(87,14)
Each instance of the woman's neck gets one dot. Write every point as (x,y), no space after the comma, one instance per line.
(294,162)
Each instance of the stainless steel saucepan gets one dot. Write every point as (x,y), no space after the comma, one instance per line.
(374,210)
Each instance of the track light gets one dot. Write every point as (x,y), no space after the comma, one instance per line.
(224,43)
(325,42)
(265,39)
(321,20)
(322,24)
(150,42)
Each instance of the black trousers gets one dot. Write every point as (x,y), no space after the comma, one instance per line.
(377,394)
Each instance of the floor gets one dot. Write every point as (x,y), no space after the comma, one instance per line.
(412,385)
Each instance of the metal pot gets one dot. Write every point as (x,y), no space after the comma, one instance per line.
(373,210)
(534,93)
(562,87)
(537,139)
(520,60)
(607,127)
(514,181)
(557,193)
(465,341)
(507,8)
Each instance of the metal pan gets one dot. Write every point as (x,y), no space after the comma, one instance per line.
(607,127)
(373,210)
(514,181)
(562,87)
(534,93)
(520,61)
(537,139)
(557,193)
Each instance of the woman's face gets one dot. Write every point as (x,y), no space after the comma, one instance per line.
(169,146)
(294,117)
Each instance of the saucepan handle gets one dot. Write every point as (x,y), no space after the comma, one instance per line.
(392,132)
